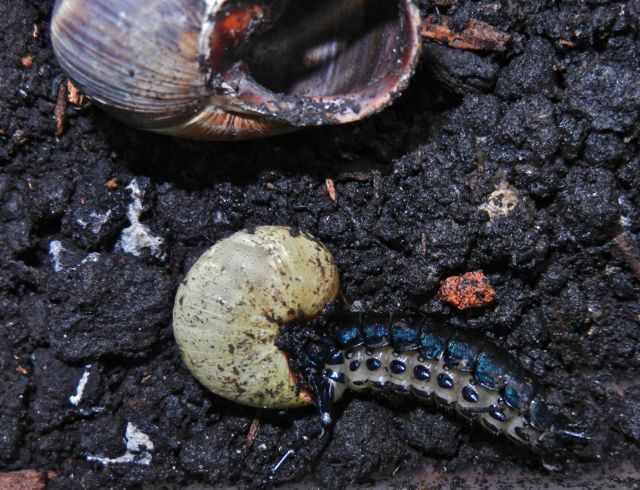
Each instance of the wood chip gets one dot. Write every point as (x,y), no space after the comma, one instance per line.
(629,252)
(476,35)
(26,61)
(75,97)
(22,480)
(253,432)
(565,43)
(60,112)
(331,189)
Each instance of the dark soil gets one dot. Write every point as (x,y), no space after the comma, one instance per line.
(556,118)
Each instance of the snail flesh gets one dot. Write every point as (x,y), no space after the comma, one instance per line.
(229,308)
(237,69)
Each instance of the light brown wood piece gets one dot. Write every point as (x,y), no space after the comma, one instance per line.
(476,36)
(22,480)
(60,112)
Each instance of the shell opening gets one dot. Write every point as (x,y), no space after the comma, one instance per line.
(317,62)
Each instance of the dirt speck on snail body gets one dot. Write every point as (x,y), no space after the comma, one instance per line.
(229,307)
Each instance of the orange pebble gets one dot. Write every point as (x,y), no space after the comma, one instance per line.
(467,291)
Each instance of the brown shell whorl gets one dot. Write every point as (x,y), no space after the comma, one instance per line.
(237,69)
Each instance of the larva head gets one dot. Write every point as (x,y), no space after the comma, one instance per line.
(236,69)
(229,307)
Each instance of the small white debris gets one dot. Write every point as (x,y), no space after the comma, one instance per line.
(95,221)
(357,306)
(137,237)
(55,249)
(139,448)
(60,262)
(92,257)
(218,217)
(501,201)
(75,399)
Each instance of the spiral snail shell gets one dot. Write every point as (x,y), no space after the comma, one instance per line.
(237,69)
(229,307)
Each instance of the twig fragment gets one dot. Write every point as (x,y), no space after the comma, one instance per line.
(75,97)
(331,189)
(629,252)
(60,112)
(23,480)
(253,432)
(476,36)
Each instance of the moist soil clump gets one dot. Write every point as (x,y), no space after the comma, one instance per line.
(523,164)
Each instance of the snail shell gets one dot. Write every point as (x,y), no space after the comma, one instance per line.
(229,307)
(236,69)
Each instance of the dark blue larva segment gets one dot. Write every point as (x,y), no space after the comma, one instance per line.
(375,335)
(461,352)
(539,415)
(349,337)
(403,337)
(432,341)
(490,370)
(495,372)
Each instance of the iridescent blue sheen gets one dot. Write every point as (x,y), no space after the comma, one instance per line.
(539,415)
(373,364)
(421,373)
(432,343)
(499,415)
(375,335)
(489,370)
(460,354)
(444,381)
(469,394)
(403,337)
(349,337)
(335,357)
(518,391)
(511,396)
(397,367)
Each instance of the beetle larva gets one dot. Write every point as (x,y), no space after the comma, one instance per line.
(456,369)
(236,69)
(229,307)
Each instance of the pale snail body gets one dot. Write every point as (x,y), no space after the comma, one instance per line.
(236,69)
(229,307)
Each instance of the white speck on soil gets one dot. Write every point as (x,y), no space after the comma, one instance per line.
(75,399)
(138,451)
(135,238)
(96,222)
(60,263)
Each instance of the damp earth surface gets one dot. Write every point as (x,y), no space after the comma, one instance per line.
(523,164)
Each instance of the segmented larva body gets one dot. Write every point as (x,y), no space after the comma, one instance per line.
(430,361)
